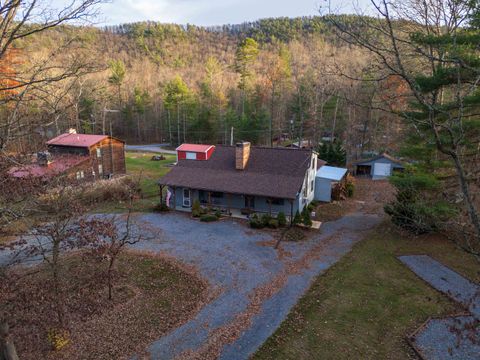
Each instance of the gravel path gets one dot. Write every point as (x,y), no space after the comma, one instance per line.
(455,337)
(153,148)
(257,287)
(445,280)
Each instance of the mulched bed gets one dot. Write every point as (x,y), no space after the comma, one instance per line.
(152,295)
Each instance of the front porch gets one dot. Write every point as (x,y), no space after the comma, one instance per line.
(235,205)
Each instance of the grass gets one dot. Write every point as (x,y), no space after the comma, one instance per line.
(365,305)
(139,165)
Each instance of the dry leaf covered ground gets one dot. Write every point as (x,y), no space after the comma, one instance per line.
(152,296)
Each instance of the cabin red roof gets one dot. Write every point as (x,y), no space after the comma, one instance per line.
(77,140)
(58,166)
(194,147)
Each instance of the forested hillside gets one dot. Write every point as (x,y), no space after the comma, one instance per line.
(173,83)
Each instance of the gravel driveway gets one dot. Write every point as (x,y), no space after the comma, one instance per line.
(257,284)
(451,337)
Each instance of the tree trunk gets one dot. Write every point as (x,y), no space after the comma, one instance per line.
(7,347)
(471,208)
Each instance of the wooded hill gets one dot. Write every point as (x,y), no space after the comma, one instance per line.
(175,83)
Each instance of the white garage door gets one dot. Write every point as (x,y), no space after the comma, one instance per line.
(382,169)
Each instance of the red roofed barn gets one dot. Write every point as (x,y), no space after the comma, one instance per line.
(79,156)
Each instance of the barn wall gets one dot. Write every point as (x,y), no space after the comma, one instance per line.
(115,165)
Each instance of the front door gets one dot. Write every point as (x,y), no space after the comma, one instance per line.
(249,202)
(187,198)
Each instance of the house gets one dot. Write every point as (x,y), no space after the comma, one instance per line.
(241,179)
(305,144)
(79,156)
(326,179)
(378,167)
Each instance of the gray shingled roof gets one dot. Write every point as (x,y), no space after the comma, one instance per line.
(270,172)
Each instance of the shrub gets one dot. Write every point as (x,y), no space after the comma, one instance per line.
(218,214)
(306,220)
(197,210)
(297,219)
(161,208)
(273,224)
(255,222)
(282,219)
(208,218)
(266,219)
(350,186)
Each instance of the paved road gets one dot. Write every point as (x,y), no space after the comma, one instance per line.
(154,148)
(257,285)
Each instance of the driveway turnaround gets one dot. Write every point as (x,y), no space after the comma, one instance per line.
(455,337)
(257,285)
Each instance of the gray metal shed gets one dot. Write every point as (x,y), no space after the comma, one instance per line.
(325,179)
(379,167)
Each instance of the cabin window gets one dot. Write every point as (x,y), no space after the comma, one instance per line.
(278,202)
(80,175)
(191,156)
(100,169)
(99,152)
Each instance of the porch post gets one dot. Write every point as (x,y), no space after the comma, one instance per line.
(174,198)
(291,212)
(161,195)
(228,203)
(269,200)
(209,199)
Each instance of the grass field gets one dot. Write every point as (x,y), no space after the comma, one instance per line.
(365,305)
(140,166)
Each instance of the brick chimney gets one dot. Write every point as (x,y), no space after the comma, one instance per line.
(242,153)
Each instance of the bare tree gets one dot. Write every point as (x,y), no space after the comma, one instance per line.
(421,40)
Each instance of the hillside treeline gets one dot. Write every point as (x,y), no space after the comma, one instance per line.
(150,82)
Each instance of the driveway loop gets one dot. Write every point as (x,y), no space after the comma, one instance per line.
(228,254)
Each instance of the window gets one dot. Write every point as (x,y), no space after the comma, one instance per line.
(99,152)
(80,175)
(100,169)
(311,186)
(278,202)
(191,156)
(313,164)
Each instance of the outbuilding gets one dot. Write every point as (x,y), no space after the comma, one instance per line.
(379,167)
(326,179)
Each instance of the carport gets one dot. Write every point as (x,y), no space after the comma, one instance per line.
(326,179)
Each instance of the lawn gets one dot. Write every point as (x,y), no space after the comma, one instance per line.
(148,172)
(141,165)
(364,305)
(152,295)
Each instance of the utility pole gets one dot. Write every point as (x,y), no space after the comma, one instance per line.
(231,136)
